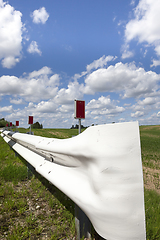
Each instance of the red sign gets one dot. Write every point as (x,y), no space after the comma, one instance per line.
(30,120)
(10,124)
(17,123)
(79,110)
(7,125)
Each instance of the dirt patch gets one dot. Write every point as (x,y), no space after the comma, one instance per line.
(59,134)
(151,179)
(151,135)
(151,127)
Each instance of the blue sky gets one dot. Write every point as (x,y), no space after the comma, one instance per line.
(104,52)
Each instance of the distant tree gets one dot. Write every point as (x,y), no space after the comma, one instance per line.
(77,126)
(37,125)
(3,122)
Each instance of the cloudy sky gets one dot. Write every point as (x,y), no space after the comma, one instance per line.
(104,52)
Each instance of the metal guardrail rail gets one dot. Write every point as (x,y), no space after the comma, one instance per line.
(100,170)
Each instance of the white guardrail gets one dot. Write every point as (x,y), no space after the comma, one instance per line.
(100,170)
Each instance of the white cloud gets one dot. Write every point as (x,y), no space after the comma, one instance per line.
(10,62)
(103,106)
(40,16)
(101,62)
(42,89)
(145,25)
(10,85)
(155,63)
(126,52)
(137,114)
(1,3)
(6,109)
(148,101)
(132,2)
(11,29)
(42,72)
(67,108)
(144,107)
(125,78)
(16,101)
(46,107)
(67,96)
(38,85)
(102,102)
(33,48)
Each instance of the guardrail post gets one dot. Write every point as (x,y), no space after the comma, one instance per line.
(30,168)
(82,222)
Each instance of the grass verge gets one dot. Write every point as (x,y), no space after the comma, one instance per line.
(31,208)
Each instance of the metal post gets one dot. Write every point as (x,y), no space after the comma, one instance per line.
(82,222)
(79,126)
(30,168)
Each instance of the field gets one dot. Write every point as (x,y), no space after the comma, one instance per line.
(32,208)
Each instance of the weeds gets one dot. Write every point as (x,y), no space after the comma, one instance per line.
(13,172)
(29,208)
(152,210)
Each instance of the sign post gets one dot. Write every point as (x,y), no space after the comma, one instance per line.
(82,222)
(30,121)
(79,111)
(17,124)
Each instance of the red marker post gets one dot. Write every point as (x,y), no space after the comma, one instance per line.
(30,121)
(17,123)
(79,111)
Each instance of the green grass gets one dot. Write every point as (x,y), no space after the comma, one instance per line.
(35,209)
(152,210)
(150,148)
(31,208)
(13,172)
(53,133)
(150,142)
